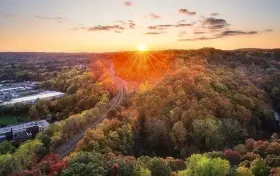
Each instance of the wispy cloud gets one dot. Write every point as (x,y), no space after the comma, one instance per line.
(78,28)
(197,39)
(198,32)
(129,23)
(118,32)
(153,16)
(165,26)
(128,3)
(268,30)
(8,15)
(57,18)
(214,14)
(49,18)
(154,33)
(223,34)
(234,33)
(184,24)
(105,28)
(186,12)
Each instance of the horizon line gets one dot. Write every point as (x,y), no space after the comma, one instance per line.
(65,52)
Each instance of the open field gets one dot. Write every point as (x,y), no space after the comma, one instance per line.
(12,119)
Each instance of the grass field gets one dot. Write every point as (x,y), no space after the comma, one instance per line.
(12,119)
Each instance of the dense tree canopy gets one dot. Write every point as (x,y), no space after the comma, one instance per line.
(211,107)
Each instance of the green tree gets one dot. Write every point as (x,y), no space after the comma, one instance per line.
(86,164)
(6,147)
(81,169)
(159,167)
(141,171)
(209,132)
(33,113)
(201,165)
(8,164)
(25,155)
(259,168)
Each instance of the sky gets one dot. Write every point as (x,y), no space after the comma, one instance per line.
(117,25)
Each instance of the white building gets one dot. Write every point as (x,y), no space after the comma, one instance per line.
(49,95)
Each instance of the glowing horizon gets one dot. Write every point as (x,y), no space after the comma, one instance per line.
(107,26)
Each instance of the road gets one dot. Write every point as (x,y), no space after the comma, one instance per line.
(70,145)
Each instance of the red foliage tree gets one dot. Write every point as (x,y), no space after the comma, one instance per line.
(52,164)
(115,170)
(249,144)
(57,167)
(232,156)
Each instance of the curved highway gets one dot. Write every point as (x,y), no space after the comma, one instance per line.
(70,145)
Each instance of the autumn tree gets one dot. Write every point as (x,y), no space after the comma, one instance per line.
(210,166)
(178,135)
(259,167)
(243,171)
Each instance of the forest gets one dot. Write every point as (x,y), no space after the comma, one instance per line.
(207,112)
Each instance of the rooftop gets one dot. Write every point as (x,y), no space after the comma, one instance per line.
(43,95)
(13,88)
(41,123)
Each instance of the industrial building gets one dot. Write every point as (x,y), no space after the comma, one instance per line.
(24,92)
(49,95)
(22,132)
(9,90)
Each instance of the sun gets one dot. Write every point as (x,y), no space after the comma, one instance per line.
(142,48)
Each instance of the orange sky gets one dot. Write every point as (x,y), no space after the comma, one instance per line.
(95,26)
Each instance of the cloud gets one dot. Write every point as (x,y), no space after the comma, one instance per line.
(165,26)
(184,24)
(214,14)
(235,33)
(160,27)
(268,30)
(154,33)
(128,3)
(105,28)
(8,15)
(197,39)
(49,18)
(57,19)
(199,32)
(131,24)
(153,16)
(223,34)
(214,23)
(120,22)
(186,12)
(78,28)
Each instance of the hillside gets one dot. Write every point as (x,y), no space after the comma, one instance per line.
(182,108)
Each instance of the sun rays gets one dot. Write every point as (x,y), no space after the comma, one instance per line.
(142,65)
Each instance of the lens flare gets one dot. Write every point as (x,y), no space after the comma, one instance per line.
(142,66)
(142,48)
